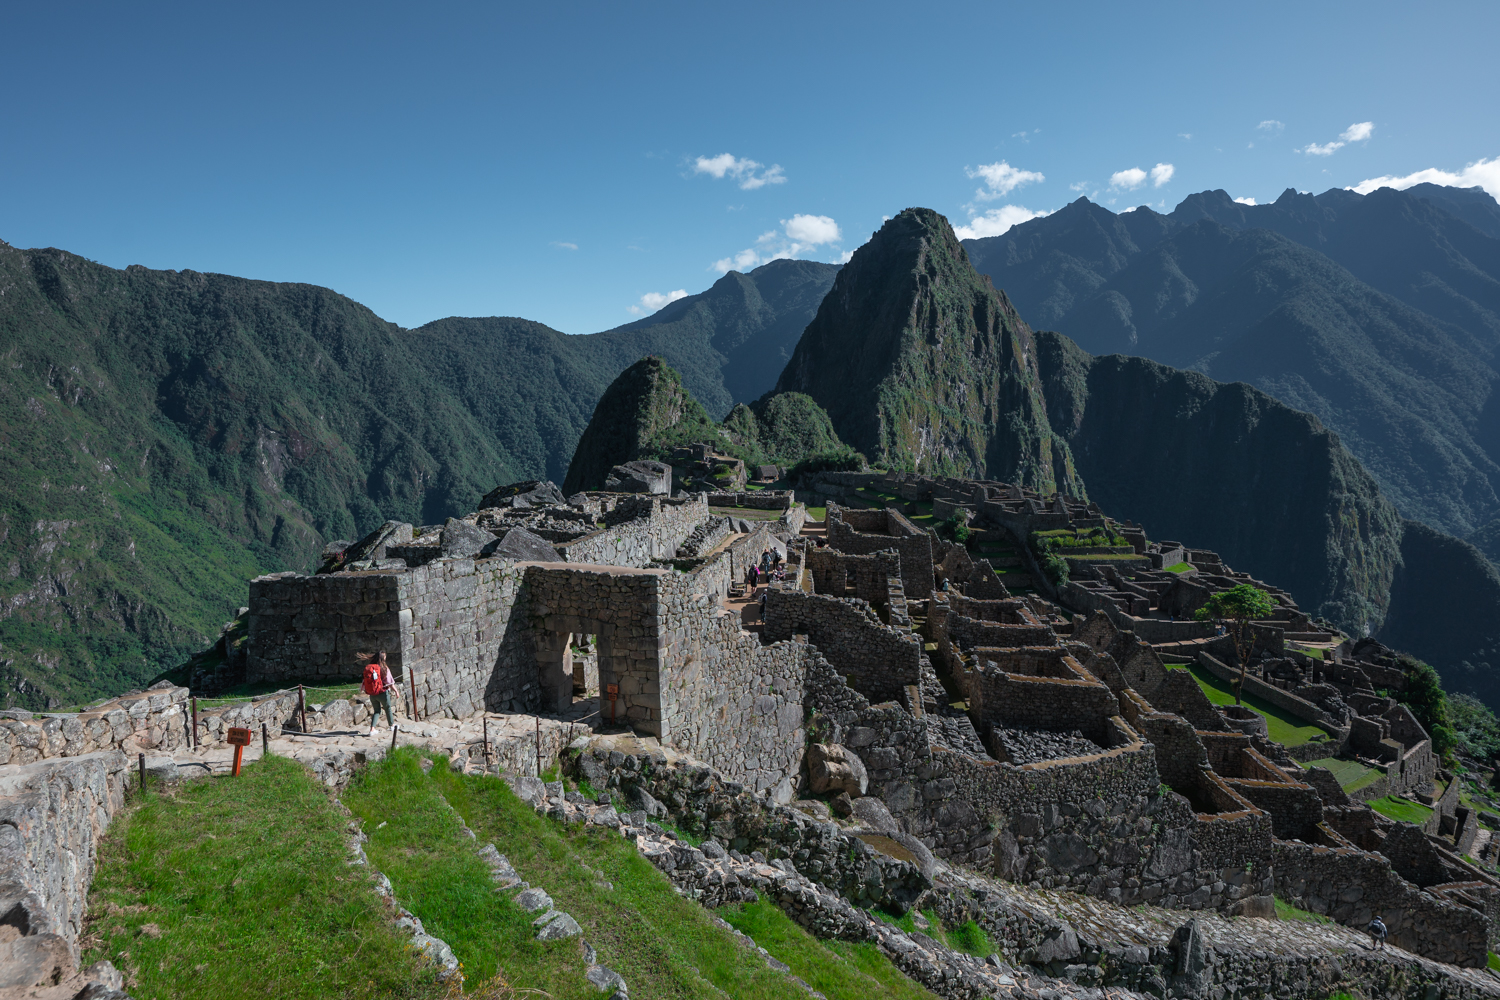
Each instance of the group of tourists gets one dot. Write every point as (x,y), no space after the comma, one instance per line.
(770,568)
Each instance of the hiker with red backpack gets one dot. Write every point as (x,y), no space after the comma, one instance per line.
(378,683)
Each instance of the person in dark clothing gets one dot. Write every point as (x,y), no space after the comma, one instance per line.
(1377,934)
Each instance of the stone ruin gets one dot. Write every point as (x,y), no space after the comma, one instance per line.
(1040,737)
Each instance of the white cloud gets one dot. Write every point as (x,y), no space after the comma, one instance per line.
(749,173)
(1000,179)
(1271,125)
(1080,186)
(1358,132)
(812,229)
(564,246)
(1327,149)
(1184,135)
(652,301)
(1128,179)
(798,234)
(1244,201)
(846,256)
(995,222)
(1481,173)
(1161,173)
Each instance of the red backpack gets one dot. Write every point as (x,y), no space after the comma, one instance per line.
(374,679)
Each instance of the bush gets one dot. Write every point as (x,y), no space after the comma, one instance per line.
(844,460)
(1424,696)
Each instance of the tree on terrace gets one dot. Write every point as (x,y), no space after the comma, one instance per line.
(1236,608)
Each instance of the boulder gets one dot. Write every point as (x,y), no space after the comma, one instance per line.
(523,546)
(462,540)
(644,476)
(527,493)
(874,816)
(834,768)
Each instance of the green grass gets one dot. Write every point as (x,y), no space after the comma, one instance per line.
(1494,962)
(1286,911)
(439,877)
(817,513)
(848,970)
(246,880)
(1402,810)
(1181,567)
(1283,727)
(663,945)
(1351,774)
(313,695)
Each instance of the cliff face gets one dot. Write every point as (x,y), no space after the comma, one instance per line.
(1445,608)
(644,410)
(923,366)
(1229,468)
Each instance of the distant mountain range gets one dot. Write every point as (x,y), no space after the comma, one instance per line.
(166,435)
(1380,314)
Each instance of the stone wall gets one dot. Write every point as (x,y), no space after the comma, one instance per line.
(834,572)
(966,633)
(320,627)
(860,532)
(728,700)
(52,815)
(1000,693)
(878,660)
(638,530)
(753,499)
(1353,886)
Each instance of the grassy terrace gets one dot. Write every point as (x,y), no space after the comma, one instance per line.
(1351,774)
(1400,809)
(664,945)
(238,887)
(1284,727)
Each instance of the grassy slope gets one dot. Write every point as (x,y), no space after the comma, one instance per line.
(1400,809)
(245,878)
(663,945)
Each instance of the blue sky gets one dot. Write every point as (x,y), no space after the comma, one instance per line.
(571,163)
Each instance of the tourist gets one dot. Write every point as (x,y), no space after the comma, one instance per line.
(378,683)
(1377,934)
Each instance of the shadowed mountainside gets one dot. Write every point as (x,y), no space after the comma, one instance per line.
(1379,314)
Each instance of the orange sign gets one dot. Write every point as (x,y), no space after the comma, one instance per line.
(239,737)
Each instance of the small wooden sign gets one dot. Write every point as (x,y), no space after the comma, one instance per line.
(239,737)
(613,690)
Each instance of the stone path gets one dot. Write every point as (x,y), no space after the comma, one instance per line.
(332,754)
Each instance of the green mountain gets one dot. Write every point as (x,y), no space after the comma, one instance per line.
(647,413)
(1379,314)
(752,322)
(923,366)
(644,413)
(169,435)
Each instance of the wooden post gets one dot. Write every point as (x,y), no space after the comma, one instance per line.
(538,746)
(195,722)
(412,687)
(486,744)
(239,738)
(394,730)
(265,740)
(302,707)
(143,772)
